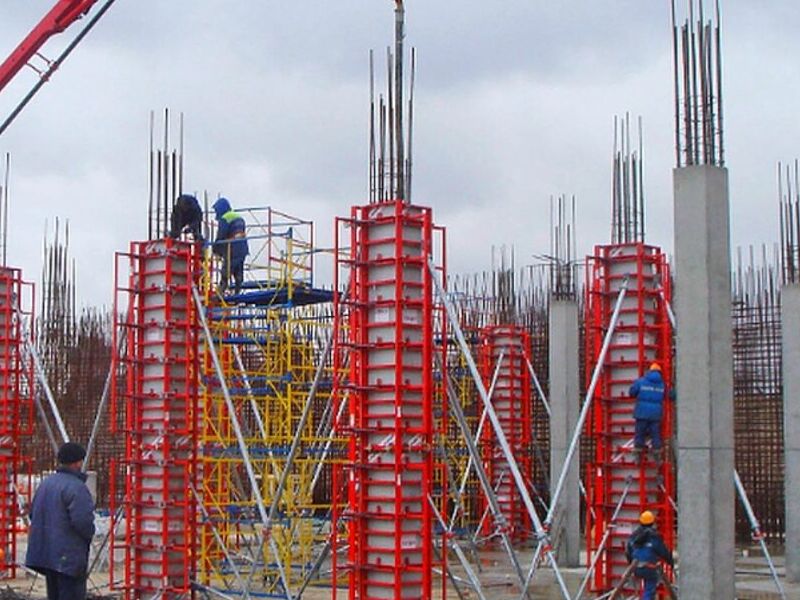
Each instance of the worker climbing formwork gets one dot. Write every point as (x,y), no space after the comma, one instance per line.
(631,409)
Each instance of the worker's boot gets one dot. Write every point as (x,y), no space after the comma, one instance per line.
(658,456)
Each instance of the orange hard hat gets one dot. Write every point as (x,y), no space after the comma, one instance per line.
(647,518)
(655,366)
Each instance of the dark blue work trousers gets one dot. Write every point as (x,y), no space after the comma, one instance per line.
(232,267)
(649,578)
(647,428)
(64,587)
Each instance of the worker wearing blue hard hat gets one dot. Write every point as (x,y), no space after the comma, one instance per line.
(230,244)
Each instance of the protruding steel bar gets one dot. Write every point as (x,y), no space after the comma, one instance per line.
(102,406)
(4,206)
(398,96)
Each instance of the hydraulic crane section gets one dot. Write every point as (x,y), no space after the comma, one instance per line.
(15,407)
(643,335)
(505,349)
(160,399)
(63,14)
(389,341)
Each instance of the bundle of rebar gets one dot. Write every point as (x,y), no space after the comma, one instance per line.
(165,179)
(789,198)
(563,248)
(697,63)
(75,351)
(627,221)
(391,123)
(57,322)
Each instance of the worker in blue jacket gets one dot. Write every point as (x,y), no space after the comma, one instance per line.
(649,393)
(646,547)
(62,527)
(230,244)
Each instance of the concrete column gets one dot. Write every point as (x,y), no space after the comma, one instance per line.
(790,324)
(564,405)
(704,383)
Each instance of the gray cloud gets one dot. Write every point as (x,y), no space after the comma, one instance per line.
(515,104)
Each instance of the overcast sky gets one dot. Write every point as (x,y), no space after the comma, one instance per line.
(515,103)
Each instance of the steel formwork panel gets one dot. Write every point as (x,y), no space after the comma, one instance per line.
(16,406)
(511,400)
(643,335)
(390,420)
(160,404)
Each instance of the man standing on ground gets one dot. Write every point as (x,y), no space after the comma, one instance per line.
(230,244)
(646,547)
(649,393)
(62,527)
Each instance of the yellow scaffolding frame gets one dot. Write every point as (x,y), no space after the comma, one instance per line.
(270,350)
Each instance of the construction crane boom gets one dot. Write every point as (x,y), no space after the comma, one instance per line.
(63,14)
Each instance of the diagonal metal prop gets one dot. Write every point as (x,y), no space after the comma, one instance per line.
(519,480)
(483,478)
(243,449)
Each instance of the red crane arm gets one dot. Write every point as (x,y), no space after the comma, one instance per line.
(63,14)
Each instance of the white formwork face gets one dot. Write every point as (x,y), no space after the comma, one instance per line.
(395,294)
(162,408)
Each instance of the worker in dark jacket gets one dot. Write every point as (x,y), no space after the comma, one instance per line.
(649,393)
(62,527)
(186,216)
(646,547)
(231,245)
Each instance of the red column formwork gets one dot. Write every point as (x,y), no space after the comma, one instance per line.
(643,335)
(386,334)
(512,403)
(16,406)
(160,402)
